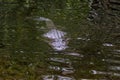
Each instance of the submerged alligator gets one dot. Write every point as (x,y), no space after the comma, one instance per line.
(56,37)
(58,41)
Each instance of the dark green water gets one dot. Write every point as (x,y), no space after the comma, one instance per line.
(55,40)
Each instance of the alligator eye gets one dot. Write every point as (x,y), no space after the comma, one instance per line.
(63,40)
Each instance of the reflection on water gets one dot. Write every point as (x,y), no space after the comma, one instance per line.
(61,62)
(105,73)
(74,54)
(108,44)
(63,70)
(116,68)
(39,49)
(58,41)
(56,77)
(84,39)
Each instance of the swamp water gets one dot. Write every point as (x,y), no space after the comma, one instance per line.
(46,43)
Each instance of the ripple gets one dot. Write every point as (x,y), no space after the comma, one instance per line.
(60,60)
(117,68)
(63,70)
(84,39)
(75,54)
(113,61)
(108,45)
(105,73)
(56,77)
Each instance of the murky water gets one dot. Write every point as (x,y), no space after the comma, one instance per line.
(46,41)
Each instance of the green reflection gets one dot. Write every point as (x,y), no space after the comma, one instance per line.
(26,54)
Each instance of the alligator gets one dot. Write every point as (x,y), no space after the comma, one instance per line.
(57,38)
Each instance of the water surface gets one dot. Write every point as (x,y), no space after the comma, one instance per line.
(51,41)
